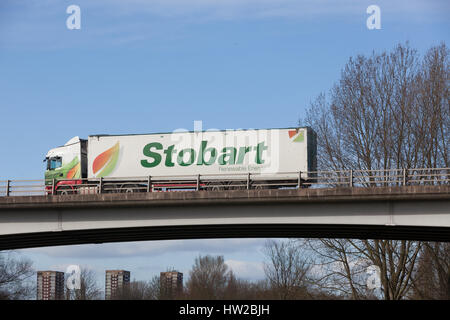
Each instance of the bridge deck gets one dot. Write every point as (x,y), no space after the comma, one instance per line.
(410,212)
(226,197)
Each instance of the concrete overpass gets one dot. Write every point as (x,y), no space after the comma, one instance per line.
(407,212)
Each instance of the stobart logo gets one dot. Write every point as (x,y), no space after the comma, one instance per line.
(296,135)
(106,161)
(203,156)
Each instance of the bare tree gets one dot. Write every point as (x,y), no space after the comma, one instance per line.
(135,290)
(286,269)
(387,111)
(15,274)
(154,289)
(209,278)
(433,100)
(337,269)
(345,265)
(140,290)
(89,289)
(432,279)
(240,289)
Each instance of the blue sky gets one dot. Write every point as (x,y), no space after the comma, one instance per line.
(149,66)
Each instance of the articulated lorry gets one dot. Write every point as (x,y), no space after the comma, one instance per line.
(173,161)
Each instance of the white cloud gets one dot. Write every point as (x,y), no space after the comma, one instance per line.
(249,270)
(145,248)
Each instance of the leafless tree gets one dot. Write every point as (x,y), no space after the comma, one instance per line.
(140,290)
(208,278)
(345,266)
(286,269)
(135,290)
(240,289)
(433,100)
(432,279)
(387,111)
(15,273)
(154,288)
(337,269)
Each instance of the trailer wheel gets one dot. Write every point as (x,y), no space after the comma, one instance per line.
(260,187)
(129,188)
(216,186)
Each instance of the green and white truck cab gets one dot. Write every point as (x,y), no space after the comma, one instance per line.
(66,162)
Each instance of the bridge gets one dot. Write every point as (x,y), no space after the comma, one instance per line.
(414,212)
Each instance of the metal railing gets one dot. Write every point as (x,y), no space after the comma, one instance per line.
(231,181)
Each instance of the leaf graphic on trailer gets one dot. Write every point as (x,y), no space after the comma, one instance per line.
(292,133)
(300,136)
(106,161)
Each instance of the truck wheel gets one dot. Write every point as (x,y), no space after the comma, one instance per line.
(64,191)
(238,185)
(111,188)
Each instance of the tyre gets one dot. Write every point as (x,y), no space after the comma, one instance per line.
(64,191)
(129,188)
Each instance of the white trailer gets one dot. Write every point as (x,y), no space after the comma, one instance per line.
(266,154)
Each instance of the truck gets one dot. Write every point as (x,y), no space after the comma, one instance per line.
(183,160)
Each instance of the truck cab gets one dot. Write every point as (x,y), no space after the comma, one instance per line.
(65,165)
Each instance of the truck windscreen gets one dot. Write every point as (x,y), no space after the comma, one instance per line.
(54,163)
